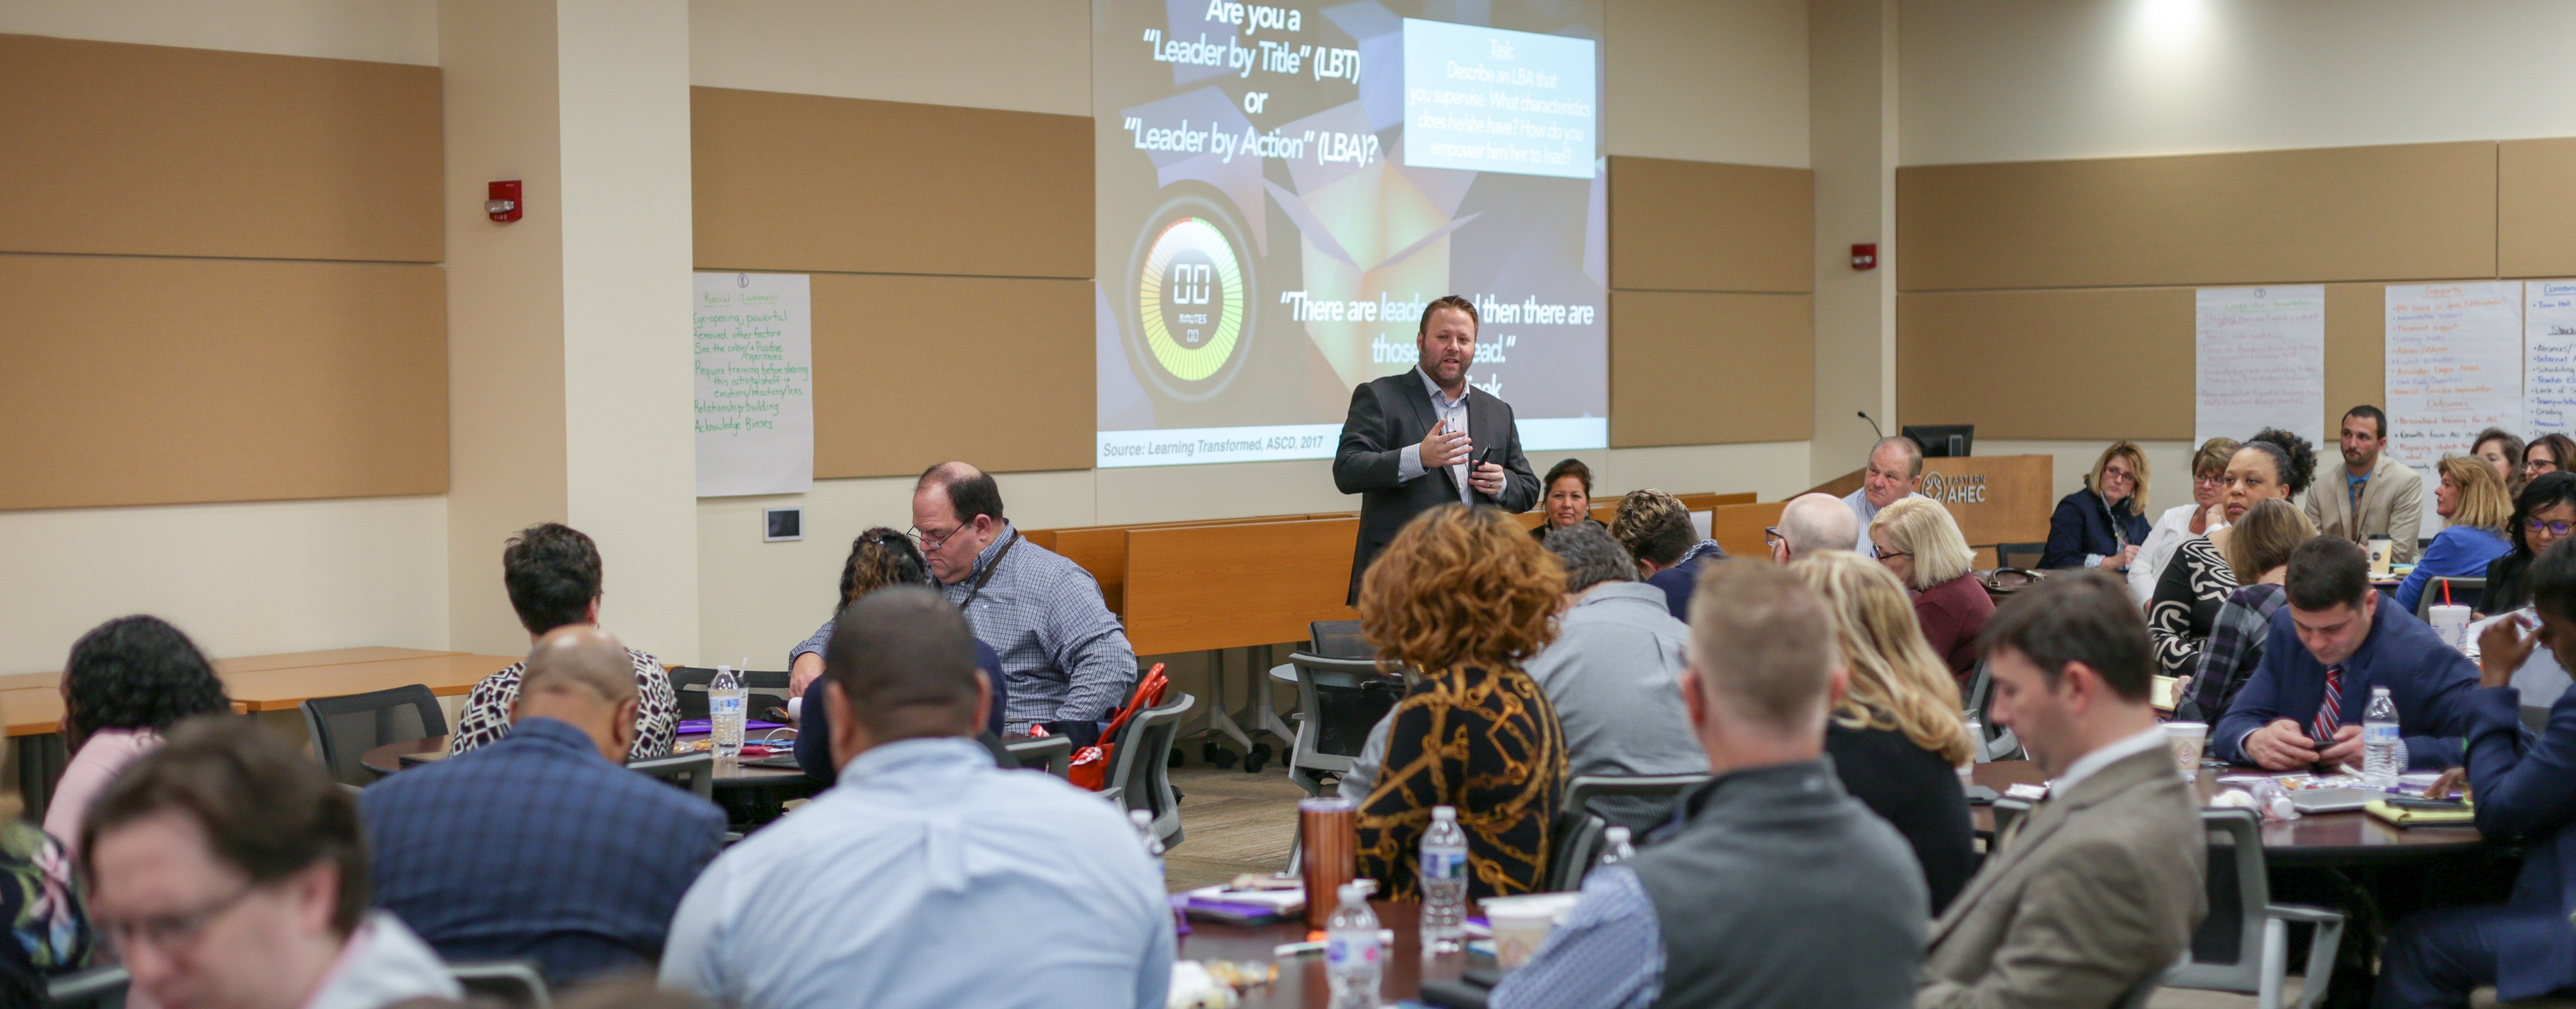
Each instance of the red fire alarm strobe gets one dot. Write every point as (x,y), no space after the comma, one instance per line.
(1864,256)
(502,201)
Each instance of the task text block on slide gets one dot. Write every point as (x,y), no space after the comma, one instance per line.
(1495,100)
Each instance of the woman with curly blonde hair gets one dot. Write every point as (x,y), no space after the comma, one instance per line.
(1896,735)
(1459,600)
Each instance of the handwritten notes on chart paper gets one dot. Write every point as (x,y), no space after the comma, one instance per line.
(2549,356)
(2260,361)
(2454,369)
(755,409)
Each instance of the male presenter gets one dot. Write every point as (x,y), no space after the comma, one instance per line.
(1425,437)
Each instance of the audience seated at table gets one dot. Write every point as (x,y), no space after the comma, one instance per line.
(1463,599)
(1568,500)
(2373,494)
(927,878)
(1614,676)
(2544,512)
(2100,886)
(2184,521)
(1920,544)
(878,558)
(2525,791)
(542,846)
(227,869)
(2272,464)
(1896,734)
(1893,472)
(2335,640)
(553,574)
(1813,523)
(2258,557)
(2502,450)
(1779,889)
(2475,512)
(1064,656)
(1655,528)
(2102,525)
(47,928)
(126,682)
(2545,454)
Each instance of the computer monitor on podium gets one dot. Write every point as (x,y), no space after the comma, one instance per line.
(1942,440)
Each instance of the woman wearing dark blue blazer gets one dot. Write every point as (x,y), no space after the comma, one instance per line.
(2102,525)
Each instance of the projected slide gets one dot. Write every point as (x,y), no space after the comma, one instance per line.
(1282,188)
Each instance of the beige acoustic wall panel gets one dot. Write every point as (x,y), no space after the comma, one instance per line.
(2535,219)
(2302,216)
(2356,355)
(161,151)
(2091,364)
(1694,368)
(808,183)
(899,385)
(158,381)
(1702,226)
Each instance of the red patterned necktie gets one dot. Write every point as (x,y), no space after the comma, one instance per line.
(2329,711)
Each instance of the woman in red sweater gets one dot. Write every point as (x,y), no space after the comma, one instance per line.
(1921,545)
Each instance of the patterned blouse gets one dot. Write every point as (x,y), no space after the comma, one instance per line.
(2195,584)
(486,717)
(1487,743)
(2235,648)
(48,932)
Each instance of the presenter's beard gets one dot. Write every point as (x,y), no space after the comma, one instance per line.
(1446,369)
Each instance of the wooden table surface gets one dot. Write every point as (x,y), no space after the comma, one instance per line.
(393,757)
(31,703)
(2316,839)
(1301,979)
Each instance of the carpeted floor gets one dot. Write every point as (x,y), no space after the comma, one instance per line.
(1231,823)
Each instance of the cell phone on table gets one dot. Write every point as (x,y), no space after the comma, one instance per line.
(2411,802)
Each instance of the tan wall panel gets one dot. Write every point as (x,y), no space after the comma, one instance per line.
(2535,221)
(2347,213)
(2084,364)
(2356,353)
(1692,368)
(153,150)
(1702,226)
(805,182)
(898,385)
(156,381)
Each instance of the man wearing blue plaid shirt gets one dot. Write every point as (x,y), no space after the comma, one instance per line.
(541,845)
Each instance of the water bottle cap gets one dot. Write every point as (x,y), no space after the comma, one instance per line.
(1357,890)
(1615,835)
(1444,812)
(1140,818)
(2378,691)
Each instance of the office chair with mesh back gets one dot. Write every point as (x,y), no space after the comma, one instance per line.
(1140,769)
(345,728)
(2243,945)
(1338,639)
(1338,702)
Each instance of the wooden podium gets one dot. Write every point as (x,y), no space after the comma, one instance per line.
(1996,498)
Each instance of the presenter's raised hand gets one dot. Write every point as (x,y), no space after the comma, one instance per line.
(1443,448)
(1487,478)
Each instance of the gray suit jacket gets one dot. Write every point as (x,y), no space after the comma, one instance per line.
(1391,415)
(2392,505)
(2098,889)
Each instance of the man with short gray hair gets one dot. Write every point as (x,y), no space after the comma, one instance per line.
(1780,889)
(1810,523)
(1613,673)
(1895,470)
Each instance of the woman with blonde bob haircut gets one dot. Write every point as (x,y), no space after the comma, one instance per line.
(1922,546)
(1458,601)
(1896,735)
(2474,509)
(2104,525)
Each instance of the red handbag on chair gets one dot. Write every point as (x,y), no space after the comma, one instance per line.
(1091,763)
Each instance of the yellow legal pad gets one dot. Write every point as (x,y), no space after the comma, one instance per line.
(2461,817)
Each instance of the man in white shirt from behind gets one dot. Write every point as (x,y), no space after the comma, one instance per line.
(927,878)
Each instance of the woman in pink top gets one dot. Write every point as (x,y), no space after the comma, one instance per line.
(127,680)
(1921,545)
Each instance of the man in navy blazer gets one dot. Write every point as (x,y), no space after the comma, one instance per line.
(2334,632)
(2527,790)
(1405,451)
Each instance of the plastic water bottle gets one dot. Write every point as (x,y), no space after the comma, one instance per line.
(1354,957)
(1615,848)
(1153,843)
(2383,750)
(727,705)
(1443,873)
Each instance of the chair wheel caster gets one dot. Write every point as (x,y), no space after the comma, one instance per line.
(1178,759)
(1253,761)
(1216,756)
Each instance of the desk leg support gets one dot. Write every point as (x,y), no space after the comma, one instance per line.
(1219,719)
(1265,716)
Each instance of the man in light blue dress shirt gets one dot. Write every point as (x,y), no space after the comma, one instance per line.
(1895,470)
(927,878)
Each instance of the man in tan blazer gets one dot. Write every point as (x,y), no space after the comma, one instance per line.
(2099,887)
(2387,496)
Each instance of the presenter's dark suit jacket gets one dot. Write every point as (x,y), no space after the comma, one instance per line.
(2429,680)
(1391,415)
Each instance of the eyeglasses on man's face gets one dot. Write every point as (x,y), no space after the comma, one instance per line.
(932,541)
(166,932)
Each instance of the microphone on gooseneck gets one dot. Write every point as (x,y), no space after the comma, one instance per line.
(1873,425)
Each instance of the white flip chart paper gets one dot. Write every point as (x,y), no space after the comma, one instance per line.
(2259,361)
(755,397)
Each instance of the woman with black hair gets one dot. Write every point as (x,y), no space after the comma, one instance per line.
(2272,464)
(1569,499)
(126,681)
(2543,514)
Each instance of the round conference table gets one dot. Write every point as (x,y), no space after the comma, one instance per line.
(2317,839)
(393,757)
(1301,981)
